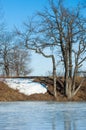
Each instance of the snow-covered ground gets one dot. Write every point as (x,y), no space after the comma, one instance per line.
(26,86)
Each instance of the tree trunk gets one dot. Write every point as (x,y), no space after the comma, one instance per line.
(17,70)
(7,70)
(54,76)
(70,60)
(69,94)
(66,72)
(74,78)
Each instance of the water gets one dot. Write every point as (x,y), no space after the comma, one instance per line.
(42,116)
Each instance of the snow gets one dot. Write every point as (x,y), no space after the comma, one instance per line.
(26,86)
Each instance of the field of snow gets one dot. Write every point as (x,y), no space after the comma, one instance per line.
(26,86)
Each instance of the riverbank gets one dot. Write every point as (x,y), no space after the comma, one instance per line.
(8,94)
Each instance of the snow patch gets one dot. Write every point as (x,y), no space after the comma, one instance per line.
(26,86)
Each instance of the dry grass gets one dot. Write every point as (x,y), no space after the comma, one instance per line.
(8,94)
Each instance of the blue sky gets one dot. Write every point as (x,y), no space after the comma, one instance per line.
(15,13)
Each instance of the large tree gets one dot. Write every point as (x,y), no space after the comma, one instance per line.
(30,38)
(70,26)
(63,30)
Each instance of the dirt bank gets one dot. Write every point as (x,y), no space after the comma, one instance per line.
(8,94)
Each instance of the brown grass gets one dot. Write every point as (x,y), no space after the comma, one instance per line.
(8,94)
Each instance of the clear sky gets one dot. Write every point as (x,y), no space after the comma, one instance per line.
(15,13)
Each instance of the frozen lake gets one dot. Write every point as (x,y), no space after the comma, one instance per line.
(42,116)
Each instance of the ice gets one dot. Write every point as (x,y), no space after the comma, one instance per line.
(26,86)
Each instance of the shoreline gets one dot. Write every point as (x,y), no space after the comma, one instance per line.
(10,95)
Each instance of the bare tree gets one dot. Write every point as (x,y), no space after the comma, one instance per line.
(63,30)
(5,47)
(19,65)
(31,40)
(13,59)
